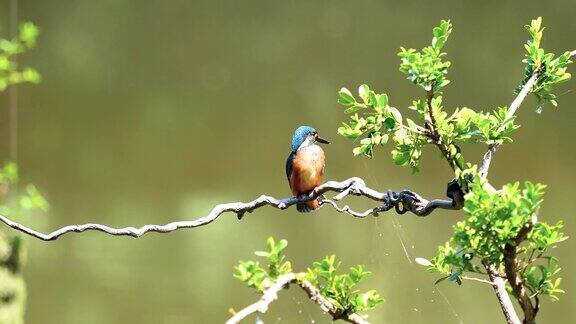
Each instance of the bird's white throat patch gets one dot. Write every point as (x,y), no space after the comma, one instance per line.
(307,142)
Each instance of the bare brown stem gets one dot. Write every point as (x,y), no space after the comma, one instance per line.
(514,276)
(433,133)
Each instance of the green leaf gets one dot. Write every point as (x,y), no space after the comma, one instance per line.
(426,68)
(363,92)
(382,100)
(396,115)
(345,97)
(29,33)
(9,173)
(10,71)
(33,199)
(354,108)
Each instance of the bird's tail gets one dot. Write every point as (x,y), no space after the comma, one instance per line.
(308,206)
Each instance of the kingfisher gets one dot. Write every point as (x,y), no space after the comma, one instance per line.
(305,165)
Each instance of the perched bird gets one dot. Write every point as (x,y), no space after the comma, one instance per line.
(305,165)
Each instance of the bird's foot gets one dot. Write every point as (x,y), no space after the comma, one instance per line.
(302,196)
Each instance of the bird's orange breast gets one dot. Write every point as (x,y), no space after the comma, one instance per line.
(307,169)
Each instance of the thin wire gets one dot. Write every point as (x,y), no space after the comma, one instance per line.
(399,231)
(13,90)
(449,305)
(395,223)
(565,92)
(376,231)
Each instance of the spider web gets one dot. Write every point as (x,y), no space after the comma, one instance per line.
(378,246)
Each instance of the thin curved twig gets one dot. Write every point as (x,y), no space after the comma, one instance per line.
(402,202)
(509,114)
(483,170)
(480,280)
(271,294)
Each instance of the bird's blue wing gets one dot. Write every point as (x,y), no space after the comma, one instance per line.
(289,163)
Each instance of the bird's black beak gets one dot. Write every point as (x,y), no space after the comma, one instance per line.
(321,140)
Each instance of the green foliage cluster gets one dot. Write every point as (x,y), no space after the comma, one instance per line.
(339,289)
(495,220)
(539,278)
(374,122)
(9,174)
(552,70)
(259,278)
(9,70)
(426,68)
(32,199)
(499,225)
(12,204)
(379,120)
(12,249)
(468,126)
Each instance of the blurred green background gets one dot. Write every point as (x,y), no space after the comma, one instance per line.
(154,111)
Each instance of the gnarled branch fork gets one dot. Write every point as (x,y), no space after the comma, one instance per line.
(513,277)
(402,202)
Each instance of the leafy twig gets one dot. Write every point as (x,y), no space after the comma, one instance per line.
(271,294)
(483,170)
(510,114)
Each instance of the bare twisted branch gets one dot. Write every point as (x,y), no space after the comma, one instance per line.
(271,294)
(315,295)
(402,202)
(499,285)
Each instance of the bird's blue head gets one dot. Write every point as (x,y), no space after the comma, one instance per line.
(304,133)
